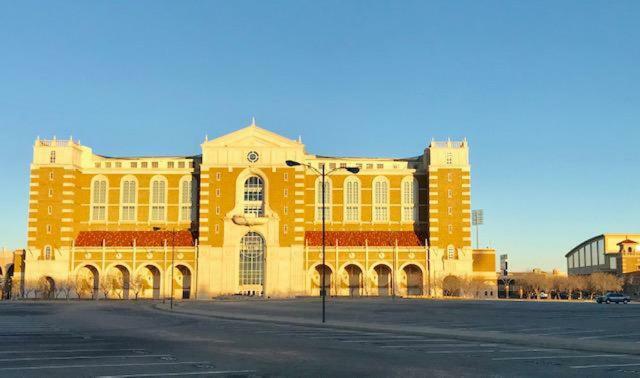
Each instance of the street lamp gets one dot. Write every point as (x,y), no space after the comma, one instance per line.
(323,174)
(173,252)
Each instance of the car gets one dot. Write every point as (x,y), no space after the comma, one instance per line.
(544,295)
(613,297)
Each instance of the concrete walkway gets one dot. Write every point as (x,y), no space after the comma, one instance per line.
(622,347)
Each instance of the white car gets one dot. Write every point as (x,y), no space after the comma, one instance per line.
(544,295)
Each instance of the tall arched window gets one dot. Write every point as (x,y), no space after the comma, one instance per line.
(351,199)
(380,199)
(254,196)
(186,196)
(327,200)
(128,199)
(47,252)
(158,199)
(409,199)
(99,190)
(252,259)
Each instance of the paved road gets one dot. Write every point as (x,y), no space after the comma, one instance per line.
(132,339)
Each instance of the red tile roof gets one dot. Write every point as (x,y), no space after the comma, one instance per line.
(125,238)
(373,238)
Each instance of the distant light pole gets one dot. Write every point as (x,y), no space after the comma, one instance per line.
(323,174)
(477,219)
(173,252)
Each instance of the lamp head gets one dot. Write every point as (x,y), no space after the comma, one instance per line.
(353,170)
(292,163)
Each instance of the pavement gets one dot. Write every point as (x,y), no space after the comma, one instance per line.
(136,339)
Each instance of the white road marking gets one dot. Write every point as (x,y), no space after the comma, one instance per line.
(603,365)
(607,336)
(81,357)
(101,365)
(568,333)
(439,345)
(556,357)
(180,373)
(67,350)
(532,329)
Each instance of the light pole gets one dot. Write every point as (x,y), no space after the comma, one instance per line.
(323,174)
(173,252)
(477,219)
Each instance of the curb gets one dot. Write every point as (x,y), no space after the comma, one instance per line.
(622,347)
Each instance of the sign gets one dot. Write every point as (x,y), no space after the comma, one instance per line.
(504,264)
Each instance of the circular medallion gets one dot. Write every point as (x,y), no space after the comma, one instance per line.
(381,255)
(118,255)
(253,156)
(412,255)
(180,255)
(87,255)
(150,255)
(320,255)
(352,255)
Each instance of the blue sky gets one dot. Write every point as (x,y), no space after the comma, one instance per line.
(546,92)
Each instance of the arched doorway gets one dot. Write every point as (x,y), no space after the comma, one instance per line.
(149,282)
(119,281)
(316,279)
(252,252)
(87,282)
(451,286)
(354,279)
(47,288)
(182,282)
(412,280)
(384,279)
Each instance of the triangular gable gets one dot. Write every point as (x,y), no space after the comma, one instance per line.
(251,136)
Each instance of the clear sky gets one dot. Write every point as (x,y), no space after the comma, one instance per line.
(547,94)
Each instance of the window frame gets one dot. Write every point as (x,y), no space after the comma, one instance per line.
(189,204)
(159,205)
(328,204)
(94,205)
(382,206)
(410,207)
(129,204)
(353,204)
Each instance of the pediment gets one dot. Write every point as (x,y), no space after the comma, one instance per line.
(252,136)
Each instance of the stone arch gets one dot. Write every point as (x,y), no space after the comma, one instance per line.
(382,279)
(47,287)
(411,279)
(182,281)
(120,276)
(351,279)
(87,280)
(315,278)
(239,199)
(148,281)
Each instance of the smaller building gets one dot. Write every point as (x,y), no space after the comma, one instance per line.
(609,253)
(11,273)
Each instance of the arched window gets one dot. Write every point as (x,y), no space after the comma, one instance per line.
(327,200)
(158,199)
(128,199)
(451,252)
(47,252)
(254,196)
(52,157)
(99,190)
(252,259)
(380,199)
(186,196)
(409,199)
(351,199)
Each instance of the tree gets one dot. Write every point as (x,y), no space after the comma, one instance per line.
(473,287)
(105,286)
(534,282)
(83,286)
(29,287)
(66,288)
(452,286)
(580,284)
(116,282)
(45,288)
(138,284)
(604,282)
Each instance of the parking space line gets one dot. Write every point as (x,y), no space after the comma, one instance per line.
(68,350)
(556,357)
(607,336)
(601,366)
(569,333)
(84,366)
(81,357)
(179,373)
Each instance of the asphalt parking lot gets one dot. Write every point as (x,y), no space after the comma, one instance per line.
(133,339)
